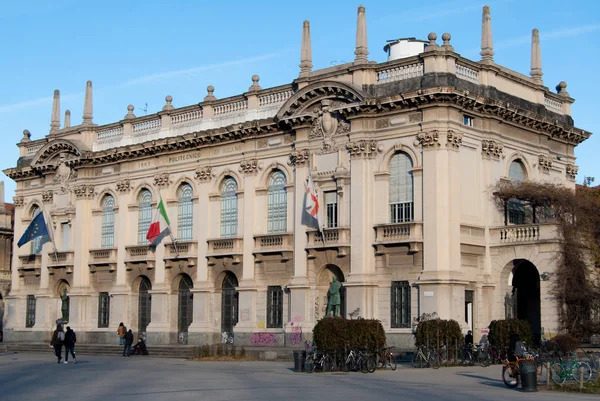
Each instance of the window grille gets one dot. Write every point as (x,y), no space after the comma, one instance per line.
(401,189)
(185,218)
(331,205)
(229,208)
(144,215)
(30,316)
(400,304)
(108,222)
(274,307)
(103,309)
(277,203)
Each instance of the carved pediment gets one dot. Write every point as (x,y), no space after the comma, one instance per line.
(55,152)
(303,103)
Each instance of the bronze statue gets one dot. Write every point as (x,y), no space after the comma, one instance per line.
(65,306)
(333,304)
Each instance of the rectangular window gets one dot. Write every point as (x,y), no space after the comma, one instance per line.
(469,295)
(400,304)
(331,206)
(30,316)
(402,212)
(274,307)
(519,212)
(468,120)
(65,229)
(103,309)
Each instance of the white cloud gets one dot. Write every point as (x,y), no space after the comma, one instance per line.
(558,34)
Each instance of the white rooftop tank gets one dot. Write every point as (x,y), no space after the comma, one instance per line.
(404,47)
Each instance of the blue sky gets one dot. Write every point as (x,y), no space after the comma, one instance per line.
(140,51)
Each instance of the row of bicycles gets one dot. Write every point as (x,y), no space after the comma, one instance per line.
(352,359)
(468,355)
(562,367)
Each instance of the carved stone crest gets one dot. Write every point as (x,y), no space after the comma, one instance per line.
(63,174)
(204,173)
(453,139)
(492,149)
(161,180)
(544,163)
(84,191)
(363,148)
(248,166)
(571,171)
(327,125)
(18,201)
(123,186)
(428,139)
(299,157)
(47,196)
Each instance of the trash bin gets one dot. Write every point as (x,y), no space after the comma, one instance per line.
(528,373)
(299,360)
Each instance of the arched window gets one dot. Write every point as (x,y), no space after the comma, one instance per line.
(185,217)
(518,211)
(229,208)
(108,222)
(36,243)
(401,189)
(516,172)
(277,203)
(144,215)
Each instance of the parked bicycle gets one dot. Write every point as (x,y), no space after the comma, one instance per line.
(425,357)
(386,358)
(563,370)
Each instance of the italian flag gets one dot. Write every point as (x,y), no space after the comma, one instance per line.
(160,226)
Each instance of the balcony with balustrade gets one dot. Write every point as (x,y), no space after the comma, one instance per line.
(30,265)
(281,244)
(332,238)
(104,259)
(394,235)
(181,254)
(141,256)
(524,234)
(225,248)
(61,260)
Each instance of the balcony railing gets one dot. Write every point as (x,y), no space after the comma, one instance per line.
(181,253)
(225,247)
(410,233)
(103,259)
(61,260)
(530,233)
(266,244)
(139,254)
(332,238)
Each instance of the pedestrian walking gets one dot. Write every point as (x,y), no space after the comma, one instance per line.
(70,340)
(128,343)
(58,339)
(121,331)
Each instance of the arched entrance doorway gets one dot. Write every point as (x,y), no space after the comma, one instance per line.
(323,282)
(144,305)
(526,298)
(185,311)
(229,304)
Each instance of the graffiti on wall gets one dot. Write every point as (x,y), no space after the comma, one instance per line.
(263,339)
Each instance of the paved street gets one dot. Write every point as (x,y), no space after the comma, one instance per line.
(39,377)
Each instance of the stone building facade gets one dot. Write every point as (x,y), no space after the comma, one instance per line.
(403,153)
(6,240)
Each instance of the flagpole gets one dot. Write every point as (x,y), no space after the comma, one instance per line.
(51,231)
(319,227)
(173,240)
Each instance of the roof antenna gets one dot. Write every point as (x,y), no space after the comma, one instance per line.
(145,109)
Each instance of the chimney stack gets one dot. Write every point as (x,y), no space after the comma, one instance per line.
(306,64)
(55,120)
(487,48)
(67,123)
(361,51)
(536,58)
(88,105)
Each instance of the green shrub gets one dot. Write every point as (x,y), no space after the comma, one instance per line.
(500,330)
(334,334)
(439,332)
(564,344)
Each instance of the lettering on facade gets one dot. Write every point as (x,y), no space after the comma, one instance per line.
(227,150)
(145,164)
(184,157)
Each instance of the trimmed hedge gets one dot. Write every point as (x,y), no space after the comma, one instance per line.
(438,330)
(500,330)
(334,334)
(563,344)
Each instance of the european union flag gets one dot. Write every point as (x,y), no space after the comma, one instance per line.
(37,228)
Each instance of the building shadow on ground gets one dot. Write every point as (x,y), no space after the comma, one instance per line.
(486,381)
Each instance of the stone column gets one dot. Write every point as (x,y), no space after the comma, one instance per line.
(361,283)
